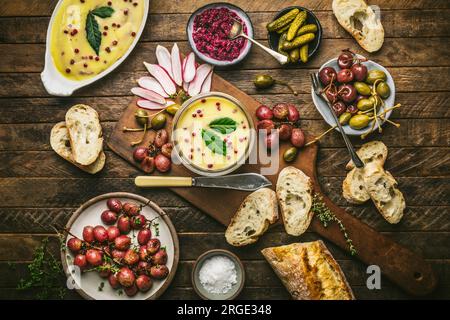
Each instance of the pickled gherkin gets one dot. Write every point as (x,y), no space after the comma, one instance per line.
(299,41)
(283,20)
(281,43)
(304,53)
(308,28)
(295,25)
(294,55)
(284,29)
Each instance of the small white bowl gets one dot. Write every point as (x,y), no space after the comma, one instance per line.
(323,109)
(244,17)
(58,85)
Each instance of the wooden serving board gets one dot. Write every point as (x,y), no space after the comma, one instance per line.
(399,264)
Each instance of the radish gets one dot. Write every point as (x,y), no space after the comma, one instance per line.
(152,84)
(163,77)
(202,73)
(149,105)
(149,95)
(177,71)
(206,86)
(189,68)
(164,60)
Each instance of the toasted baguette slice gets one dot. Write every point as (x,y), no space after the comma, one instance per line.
(60,142)
(256,213)
(309,271)
(370,152)
(85,133)
(353,188)
(294,193)
(382,188)
(360,21)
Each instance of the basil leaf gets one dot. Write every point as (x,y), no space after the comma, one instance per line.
(214,142)
(93,34)
(103,12)
(223,125)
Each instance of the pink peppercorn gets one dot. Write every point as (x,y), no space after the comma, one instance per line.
(67,70)
(114,43)
(73,32)
(109,3)
(72,61)
(203,100)
(210,165)
(97,58)
(105,33)
(85,65)
(194,115)
(133,34)
(77,50)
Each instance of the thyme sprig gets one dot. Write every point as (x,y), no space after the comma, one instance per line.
(324,214)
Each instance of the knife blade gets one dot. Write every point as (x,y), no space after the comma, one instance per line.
(243,182)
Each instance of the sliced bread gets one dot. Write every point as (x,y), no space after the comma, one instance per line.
(295,193)
(382,188)
(353,188)
(256,213)
(369,152)
(361,22)
(60,142)
(85,133)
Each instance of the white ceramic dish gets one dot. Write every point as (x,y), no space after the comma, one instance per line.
(89,214)
(245,18)
(323,109)
(58,85)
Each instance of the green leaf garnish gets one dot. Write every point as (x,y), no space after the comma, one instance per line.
(93,34)
(214,142)
(103,12)
(223,125)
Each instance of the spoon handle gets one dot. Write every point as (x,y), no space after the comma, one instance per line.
(278,56)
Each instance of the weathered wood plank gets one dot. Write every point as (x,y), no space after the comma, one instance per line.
(45,8)
(160,27)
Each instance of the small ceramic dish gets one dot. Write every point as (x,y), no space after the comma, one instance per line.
(323,109)
(235,289)
(311,18)
(241,14)
(57,84)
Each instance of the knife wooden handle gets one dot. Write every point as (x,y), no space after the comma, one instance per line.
(144,181)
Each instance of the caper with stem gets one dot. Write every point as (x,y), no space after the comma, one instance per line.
(264,81)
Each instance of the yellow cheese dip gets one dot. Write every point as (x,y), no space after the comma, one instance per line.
(72,54)
(196,119)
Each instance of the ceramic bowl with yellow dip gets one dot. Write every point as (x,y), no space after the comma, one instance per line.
(213,134)
(88,39)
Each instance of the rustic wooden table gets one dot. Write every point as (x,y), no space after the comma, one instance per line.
(38,188)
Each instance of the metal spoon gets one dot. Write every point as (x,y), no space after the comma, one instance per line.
(236,32)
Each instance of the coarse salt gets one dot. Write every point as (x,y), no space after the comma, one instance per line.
(218,274)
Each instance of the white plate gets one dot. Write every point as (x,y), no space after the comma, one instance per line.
(323,109)
(58,85)
(89,214)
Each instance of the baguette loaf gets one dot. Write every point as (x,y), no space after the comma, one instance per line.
(369,152)
(60,142)
(294,193)
(256,213)
(309,271)
(353,187)
(360,21)
(85,133)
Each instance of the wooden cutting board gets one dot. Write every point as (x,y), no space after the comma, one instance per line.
(399,264)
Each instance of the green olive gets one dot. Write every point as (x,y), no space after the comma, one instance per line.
(263,81)
(359,121)
(374,75)
(383,90)
(141,117)
(365,104)
(172,109)
(158,121)
(362,88)
(290,154)
(345,118)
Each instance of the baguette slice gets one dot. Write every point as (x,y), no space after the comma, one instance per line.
(256,213)
(353,187)
(369,152)
(360,21)
(382,188)
(294,193)
(60,142)
(309,271)
(85,133)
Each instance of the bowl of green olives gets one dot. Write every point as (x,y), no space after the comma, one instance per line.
(361,93)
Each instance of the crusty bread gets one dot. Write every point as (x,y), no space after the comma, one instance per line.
(353,188)
(294,193)
(369,152)
(85,133)
(60,142)
(382,188)
(361,22)
(309,271)
(256,213)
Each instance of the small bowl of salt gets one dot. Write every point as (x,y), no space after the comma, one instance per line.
(218,275)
